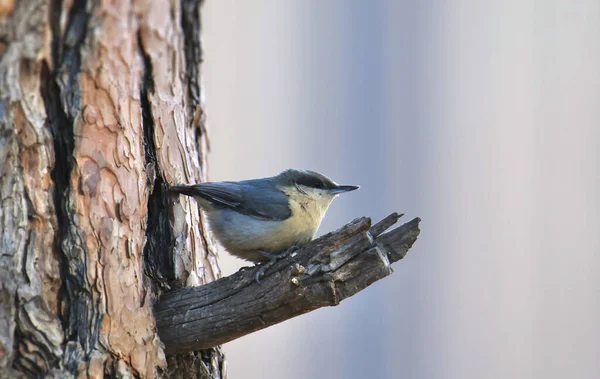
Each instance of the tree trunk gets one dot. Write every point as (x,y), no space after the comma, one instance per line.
(100,108)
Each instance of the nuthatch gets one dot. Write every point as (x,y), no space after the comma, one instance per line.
(260,218)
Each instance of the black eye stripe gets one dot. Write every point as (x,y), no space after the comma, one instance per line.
(311,181)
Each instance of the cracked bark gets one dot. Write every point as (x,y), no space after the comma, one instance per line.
(99,108)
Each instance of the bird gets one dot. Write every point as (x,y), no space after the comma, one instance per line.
(259,220)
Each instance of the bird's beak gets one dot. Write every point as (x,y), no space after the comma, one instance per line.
(342,189)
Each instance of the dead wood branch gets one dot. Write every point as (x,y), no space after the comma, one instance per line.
(322,273)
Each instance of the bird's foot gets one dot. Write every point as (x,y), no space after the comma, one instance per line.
(272,258)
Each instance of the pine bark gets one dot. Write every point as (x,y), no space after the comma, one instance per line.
(100,108)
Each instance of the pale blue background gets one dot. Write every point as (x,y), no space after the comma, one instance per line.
(481,117)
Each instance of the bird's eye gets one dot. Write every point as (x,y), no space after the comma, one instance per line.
(318,184)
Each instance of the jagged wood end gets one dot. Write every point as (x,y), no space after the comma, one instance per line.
(322,273)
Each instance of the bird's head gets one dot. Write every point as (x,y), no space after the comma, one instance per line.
(311,185)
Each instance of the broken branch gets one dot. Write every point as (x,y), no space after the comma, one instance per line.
(322,273)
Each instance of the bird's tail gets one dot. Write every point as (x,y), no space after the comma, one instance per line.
(184,189)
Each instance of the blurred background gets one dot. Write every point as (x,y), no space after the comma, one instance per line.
(480,117)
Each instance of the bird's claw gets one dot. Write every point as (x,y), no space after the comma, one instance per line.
(261,270)
(272,259)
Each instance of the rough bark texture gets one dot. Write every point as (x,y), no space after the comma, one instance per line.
(100,108)
(31,333)
(323,273)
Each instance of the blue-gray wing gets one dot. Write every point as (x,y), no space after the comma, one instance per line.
(256,198)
